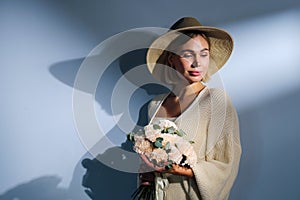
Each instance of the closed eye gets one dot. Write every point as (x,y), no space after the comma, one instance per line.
(204,54)
(187,55)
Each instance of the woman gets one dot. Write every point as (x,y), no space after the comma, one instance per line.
(185,57)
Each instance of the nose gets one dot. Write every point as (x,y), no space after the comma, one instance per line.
(196,63)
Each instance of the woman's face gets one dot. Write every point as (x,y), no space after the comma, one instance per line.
(191,59)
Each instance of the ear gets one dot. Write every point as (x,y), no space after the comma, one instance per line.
(170,59)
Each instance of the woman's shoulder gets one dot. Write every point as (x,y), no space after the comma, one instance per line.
(217,97)
(217,94)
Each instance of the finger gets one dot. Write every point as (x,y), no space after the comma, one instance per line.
(145,183)
(160,169)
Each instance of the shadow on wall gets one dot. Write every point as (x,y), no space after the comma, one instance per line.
(41,188)
(102,180)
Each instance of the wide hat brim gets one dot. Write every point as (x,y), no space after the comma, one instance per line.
(221,47)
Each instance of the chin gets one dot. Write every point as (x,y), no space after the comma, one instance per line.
(194,80)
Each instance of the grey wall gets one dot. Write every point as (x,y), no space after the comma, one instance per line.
(43,43)
(270,165)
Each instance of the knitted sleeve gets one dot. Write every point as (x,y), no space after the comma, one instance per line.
(216,173)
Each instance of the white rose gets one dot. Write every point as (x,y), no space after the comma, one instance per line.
(175,155)
(160,155)
(151,133)
(186,148)
(168,138)
(167,124)
(141,145)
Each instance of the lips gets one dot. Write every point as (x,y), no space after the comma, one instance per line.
(195,73)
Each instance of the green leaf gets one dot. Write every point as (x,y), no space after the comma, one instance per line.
(157,144)
(171,130)
(140,132)
(130,136)
(167,147)
(156,126)
(180,133)
(154,161)
(169,165)
(165,130)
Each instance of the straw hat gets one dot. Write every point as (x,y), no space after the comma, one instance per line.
(221,46)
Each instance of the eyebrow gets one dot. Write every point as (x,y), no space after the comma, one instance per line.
(192,51)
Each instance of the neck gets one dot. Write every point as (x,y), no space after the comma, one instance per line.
(183,91)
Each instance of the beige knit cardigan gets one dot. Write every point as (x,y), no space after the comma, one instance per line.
(211,122)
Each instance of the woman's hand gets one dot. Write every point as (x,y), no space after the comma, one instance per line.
(176,169)
(180,170)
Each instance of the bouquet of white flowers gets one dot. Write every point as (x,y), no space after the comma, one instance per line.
(163,145)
